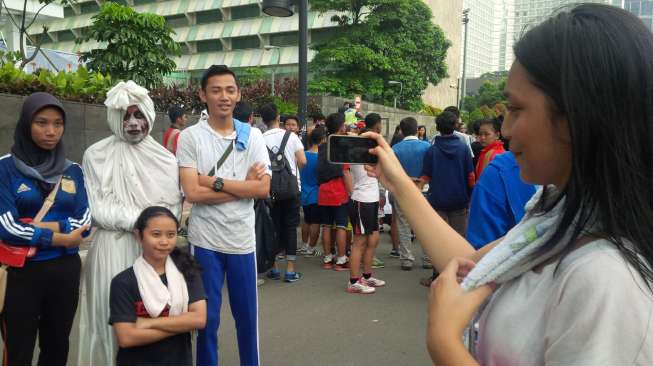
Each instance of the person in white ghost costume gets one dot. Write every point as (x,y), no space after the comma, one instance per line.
(124,173)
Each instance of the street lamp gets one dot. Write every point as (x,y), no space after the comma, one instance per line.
(277,8)
(462,82)
(401,88)
(282,8)
(268,47)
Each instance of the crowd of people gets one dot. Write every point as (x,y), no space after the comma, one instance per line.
(544,214)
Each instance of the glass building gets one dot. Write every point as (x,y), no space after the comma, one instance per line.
(642,8)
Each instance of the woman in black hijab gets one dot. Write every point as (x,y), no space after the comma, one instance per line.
(39,244)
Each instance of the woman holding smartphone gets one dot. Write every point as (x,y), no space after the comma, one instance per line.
(573,278)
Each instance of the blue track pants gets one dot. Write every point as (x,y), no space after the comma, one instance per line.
(240,271)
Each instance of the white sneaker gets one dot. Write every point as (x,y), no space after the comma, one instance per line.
(313,251)
(373,282)
(302,249)
(360,288)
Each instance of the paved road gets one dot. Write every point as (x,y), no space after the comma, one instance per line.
(316,322)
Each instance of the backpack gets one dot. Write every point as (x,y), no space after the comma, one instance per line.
(283,185)
(326,171)
(267,246)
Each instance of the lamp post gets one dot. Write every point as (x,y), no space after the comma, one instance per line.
(401,88)
(282,8)
(462,82)
(269,48)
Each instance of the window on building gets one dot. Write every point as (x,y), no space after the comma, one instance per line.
(65,35)
(246,11)
(210,16)
(635,7)
(176,21)
(90,7)
(241,43)
(68,12)
(211,45)
(647,8)
(284,39)
(143,2)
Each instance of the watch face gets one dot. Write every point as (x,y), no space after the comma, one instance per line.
(218,184)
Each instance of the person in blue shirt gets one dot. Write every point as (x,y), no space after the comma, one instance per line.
(449,171)
(498,201)
(308,196)
(42,295)
(410,152)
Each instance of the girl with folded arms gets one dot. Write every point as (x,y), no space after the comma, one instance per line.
(160,300)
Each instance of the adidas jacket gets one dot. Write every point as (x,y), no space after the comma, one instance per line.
(20,197)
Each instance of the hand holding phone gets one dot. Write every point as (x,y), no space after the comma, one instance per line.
(344,149)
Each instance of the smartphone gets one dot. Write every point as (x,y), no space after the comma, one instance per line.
(344,149)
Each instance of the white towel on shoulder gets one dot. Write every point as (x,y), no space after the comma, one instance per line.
(515,254)
(155,294)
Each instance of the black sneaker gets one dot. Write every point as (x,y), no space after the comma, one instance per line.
(394,253)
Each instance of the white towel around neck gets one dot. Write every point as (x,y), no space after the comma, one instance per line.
(514,255)
(155,294)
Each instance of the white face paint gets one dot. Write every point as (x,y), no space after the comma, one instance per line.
(134,125)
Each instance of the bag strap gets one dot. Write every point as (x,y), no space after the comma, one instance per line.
(47,204)
(224,157)
(282,148)
(286,136)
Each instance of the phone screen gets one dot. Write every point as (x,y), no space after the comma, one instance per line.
(344,149)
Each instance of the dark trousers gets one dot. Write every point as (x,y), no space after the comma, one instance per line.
(285,215)
(41,298)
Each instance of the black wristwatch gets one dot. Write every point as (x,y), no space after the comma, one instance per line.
(218,184)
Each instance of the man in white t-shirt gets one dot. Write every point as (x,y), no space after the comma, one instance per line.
(285,213)
(365,223)
(223,166)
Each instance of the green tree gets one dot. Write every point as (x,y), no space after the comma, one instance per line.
(489,94)
(23,23)
(138,46)
(380,41)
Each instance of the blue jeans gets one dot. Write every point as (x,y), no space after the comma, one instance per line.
(240,270)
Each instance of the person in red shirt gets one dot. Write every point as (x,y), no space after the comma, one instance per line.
(178,121)
(333,198)
(490,136)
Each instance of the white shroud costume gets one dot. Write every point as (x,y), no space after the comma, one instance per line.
(122,179)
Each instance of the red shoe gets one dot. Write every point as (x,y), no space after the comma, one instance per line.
(342,267)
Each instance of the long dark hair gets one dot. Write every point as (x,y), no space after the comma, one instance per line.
(183,260)
(594,62)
